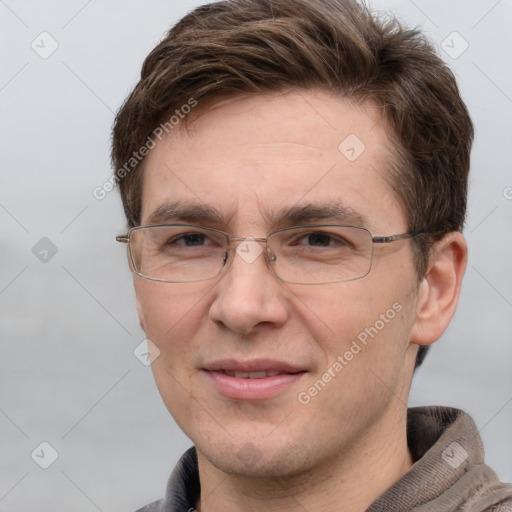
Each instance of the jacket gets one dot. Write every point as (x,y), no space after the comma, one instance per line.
(448,475)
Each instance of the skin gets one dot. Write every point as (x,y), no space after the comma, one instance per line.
(247,155)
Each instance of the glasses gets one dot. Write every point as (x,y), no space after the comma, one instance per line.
(311,254)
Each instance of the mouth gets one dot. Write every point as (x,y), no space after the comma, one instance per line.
(253,375)
(252,380)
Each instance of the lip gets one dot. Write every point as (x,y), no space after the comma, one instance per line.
(239,388)
(255,365)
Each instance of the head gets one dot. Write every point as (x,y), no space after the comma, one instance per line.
(244,108)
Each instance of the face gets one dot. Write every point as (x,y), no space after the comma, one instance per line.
(339,355)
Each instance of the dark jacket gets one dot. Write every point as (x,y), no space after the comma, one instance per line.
(449,474)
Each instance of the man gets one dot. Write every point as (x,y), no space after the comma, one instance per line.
(294,176)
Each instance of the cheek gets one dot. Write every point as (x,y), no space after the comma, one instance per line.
(363,323)
(339,312)
(171,312)
(363,357)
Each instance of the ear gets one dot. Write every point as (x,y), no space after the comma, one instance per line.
(140,314)
(440,289)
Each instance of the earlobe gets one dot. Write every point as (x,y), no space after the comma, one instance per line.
(440,289)
(140,314)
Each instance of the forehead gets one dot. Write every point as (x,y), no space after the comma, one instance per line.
(251,156)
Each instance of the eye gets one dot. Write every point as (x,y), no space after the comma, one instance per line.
(190,239)
(320,239)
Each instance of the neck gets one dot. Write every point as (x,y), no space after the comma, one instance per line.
(351,480)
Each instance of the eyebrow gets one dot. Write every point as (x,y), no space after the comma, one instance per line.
(201,213)
(186,212)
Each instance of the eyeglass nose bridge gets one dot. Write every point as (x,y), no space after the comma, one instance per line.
(248,252)
(248,238)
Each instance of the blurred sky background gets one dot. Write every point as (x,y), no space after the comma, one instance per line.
(68,326)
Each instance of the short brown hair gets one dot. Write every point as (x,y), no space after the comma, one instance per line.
(262,46)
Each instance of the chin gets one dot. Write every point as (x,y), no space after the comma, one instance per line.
(257,458)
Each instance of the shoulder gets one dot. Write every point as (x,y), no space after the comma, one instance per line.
(502,506)
(494,496)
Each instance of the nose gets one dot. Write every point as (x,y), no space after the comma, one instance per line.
(249,294)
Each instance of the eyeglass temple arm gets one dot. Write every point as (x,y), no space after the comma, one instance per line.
(392,238)
(123,239)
